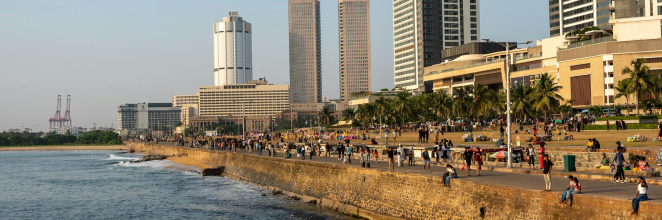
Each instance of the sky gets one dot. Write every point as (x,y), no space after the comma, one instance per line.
(108,53)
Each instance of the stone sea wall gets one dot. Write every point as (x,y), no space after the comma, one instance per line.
(381,195)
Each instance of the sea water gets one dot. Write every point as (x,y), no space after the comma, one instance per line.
(107,185)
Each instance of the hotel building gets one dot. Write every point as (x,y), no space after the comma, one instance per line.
(233,61)
(189,105)
(153,116)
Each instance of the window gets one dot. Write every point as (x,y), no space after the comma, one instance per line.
(451,38)
(473,7)
(450,12)
(474,31)
(474,38)
(473,19)
(659,9)
(474,25)
(472,13)
(451,31)
(580,66)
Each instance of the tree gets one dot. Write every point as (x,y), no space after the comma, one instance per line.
(481,101)
(566,108)
(640,81)
(403,106)
(595,110)
(179,123)
(623,91)
(521,104)
(545,95)
(349,113)
(441,106)
(325,116)
(461,102)
(384,90)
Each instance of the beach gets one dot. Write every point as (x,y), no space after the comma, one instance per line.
(65,148)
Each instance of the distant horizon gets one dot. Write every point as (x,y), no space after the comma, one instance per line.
(105,54)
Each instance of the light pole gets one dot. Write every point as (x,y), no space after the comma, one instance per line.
(510,146)
(243,113)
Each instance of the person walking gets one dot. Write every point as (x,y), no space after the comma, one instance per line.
(618,161)
(642,190)
(530,152)
(426,160)
(391,162)
(401,155)
(468,154)
(376,153)
(502,131)
(541,153)
(349,153)
(659,131)
(368,153)
(479,160)
(607,125)
(547,172)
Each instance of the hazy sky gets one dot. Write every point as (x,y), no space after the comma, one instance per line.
(107,53)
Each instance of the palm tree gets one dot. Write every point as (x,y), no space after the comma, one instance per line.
(461,101)
(403,106)
(498,101)
(326,116)
(521,105)
(441,106)
(622,91)
(482,97)
(640,81)
(349,113)
(545,95)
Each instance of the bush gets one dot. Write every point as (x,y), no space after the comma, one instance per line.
(629,118)
(627,126)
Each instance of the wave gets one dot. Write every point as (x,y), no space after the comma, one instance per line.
(161,164)
(115,157)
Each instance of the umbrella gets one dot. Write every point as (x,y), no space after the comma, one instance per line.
(500,154)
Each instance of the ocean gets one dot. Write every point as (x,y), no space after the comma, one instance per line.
(106,185)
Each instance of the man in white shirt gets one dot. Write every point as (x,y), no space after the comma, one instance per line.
(401,155)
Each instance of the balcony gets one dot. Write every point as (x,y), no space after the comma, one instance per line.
(612,6)
(589,42)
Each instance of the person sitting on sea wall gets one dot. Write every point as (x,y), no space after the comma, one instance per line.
(642,190)
(450,173)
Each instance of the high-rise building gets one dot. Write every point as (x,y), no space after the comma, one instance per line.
(421,29)
(305,52)
(566,16)
(354,45)
(636,8)
(233,62)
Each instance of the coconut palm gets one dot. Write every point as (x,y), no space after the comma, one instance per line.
(403,105)
(461,102)
(622,91)
(349,113)
(640,81)
(498,102)
(545,95)
(482,97)
(442,105)
(326,116)
(521,104)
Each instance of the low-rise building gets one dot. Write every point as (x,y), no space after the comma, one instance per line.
(189,105)
(150,116)
(254,99)
(587,67)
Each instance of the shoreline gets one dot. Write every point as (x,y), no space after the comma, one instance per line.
(67,147)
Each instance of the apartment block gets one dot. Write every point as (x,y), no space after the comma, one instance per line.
(354,47)
(422,28)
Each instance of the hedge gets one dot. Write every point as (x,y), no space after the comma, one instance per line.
(628,118)
(627,126)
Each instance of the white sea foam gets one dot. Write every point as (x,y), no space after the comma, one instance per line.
(160,164)
(115,157)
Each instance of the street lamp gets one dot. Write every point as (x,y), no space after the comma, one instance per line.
(510,147)
(243,113)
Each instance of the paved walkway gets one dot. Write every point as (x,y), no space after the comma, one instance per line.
(597,188)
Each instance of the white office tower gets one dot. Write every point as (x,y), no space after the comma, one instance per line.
(233,62)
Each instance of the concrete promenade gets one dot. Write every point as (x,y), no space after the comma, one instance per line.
(599,188)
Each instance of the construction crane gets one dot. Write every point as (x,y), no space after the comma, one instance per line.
(57,121)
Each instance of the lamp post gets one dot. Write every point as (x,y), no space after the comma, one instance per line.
(243,113)
(509,124)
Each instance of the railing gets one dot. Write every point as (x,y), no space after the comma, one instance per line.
(589,42)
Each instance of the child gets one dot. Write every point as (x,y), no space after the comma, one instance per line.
(376,153)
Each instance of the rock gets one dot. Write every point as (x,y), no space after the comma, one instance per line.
(218,171)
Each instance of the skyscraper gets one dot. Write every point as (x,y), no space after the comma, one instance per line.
(233,62)
(421,29)
(635,8)
(354,45)
(566,16)
(305,52)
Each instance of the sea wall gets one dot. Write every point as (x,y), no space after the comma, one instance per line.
(380,194)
